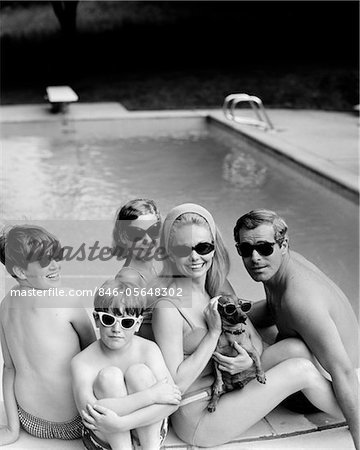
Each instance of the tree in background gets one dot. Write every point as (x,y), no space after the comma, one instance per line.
(65,11)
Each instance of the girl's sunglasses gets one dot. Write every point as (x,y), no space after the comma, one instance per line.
(108,320)
(264,249)
(202,248)
(136,233)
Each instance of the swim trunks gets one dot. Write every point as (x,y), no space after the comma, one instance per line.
(92,442)
(44,429)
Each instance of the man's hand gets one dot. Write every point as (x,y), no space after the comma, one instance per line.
(165,393)
(99,418)
(235,364)
(7,436)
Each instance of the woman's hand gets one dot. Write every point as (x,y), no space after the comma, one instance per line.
(99,418)
(235,364)
(7,436)
(165,393)
(212,317)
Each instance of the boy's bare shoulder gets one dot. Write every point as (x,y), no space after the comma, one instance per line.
(146,346)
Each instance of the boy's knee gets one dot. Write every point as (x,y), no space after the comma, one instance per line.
(139,376)
(109,382)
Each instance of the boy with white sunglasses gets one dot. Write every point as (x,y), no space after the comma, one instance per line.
(121,382)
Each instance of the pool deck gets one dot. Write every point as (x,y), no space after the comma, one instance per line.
(325,143)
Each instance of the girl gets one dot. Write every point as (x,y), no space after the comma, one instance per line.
(136,237)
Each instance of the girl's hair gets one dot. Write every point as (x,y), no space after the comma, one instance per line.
(119,297)
(220,266)
(23,244)
(132,210)
(257,217)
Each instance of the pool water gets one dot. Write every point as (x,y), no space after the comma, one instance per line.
(72,176)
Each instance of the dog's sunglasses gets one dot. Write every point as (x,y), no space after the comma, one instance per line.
(202,248)
(136,233)
(230,309)
(108,320)
(263,248)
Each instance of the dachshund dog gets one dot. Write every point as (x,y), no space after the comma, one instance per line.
(234,329)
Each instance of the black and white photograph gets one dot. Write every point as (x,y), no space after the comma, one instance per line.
(179,225)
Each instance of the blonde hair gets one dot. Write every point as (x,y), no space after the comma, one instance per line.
(119,297)
(220,266)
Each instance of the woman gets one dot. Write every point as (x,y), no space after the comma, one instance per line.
(187,328)
(136,237)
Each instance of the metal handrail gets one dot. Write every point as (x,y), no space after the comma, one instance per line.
(262,119)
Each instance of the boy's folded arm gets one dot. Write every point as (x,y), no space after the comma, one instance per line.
(128,404)
(9,433)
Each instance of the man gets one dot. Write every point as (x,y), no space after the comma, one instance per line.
(302,302)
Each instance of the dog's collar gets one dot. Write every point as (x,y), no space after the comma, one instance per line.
(235,332)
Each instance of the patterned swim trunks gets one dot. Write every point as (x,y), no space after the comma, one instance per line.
(44,429)
(92,442)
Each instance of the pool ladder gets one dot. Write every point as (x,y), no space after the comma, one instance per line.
(262,119)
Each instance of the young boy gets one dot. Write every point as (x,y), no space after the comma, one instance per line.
(39,334)
(121,382)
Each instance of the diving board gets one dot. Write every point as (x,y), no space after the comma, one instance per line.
(60,96)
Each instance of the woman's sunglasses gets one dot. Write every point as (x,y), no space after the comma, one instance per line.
(202,248)
(108,320)
(136,233)
(264,249)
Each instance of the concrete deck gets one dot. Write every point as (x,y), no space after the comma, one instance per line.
(325,143)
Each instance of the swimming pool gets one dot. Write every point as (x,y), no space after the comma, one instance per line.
(72,175)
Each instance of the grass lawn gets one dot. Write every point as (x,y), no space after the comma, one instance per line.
(175,55)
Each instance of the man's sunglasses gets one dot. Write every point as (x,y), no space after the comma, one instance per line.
(108,320)
(136,233)
(264,249)
(230,309)
(202,248)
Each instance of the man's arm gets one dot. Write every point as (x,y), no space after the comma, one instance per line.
(9,433)
(318,330)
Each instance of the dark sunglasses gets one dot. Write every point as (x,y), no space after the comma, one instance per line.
(202,248)
(264,249)
(230,309)
(108,320)
(136,233)
(45,258)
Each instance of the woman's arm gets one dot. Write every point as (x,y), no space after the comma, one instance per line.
(11,431)
(168,332)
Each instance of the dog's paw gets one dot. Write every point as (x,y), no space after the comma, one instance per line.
(261,377)
(211,407)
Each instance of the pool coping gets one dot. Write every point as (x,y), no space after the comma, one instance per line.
(333,176)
